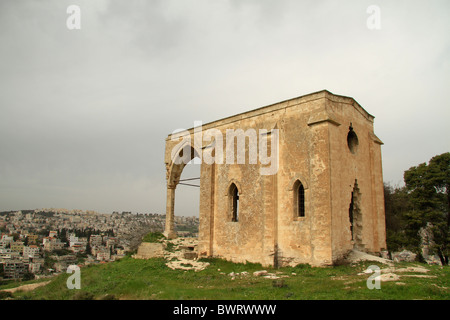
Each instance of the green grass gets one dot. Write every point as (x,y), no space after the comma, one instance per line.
(153,237)
(152,279)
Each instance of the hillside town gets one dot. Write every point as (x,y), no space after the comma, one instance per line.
(44,242)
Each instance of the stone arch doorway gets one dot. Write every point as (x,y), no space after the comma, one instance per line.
(182,157)
(355,217)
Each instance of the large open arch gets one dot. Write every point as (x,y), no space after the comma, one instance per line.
(182,157)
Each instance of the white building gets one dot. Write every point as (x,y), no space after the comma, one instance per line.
(104,255)
(34,267)
(51,244)
(5,255)
(96,240)
(30,251)
(53,234)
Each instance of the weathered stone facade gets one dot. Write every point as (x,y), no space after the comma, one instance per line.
(325,199)
(147,250)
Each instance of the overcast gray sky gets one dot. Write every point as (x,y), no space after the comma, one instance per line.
(84,113)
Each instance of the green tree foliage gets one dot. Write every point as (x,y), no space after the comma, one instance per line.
(153,237)
(397,204)
(28,276)
(88,248)
(62,235)
(428,192)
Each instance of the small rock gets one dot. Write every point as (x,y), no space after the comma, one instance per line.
(368,271)
(190,255)
(271,276)
(260,273)
(385,254)
(413,269)
(404,255)
(388,277)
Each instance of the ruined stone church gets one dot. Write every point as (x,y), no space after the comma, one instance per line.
(321,199)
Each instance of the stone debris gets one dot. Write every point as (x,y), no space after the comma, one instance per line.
(388,277)
(271,276)
(181,253)
(398,270)
(390,274)
(357,256)
(260,273)
(404,255)
(413,269)
(418,276)
(187,265)
(367,271)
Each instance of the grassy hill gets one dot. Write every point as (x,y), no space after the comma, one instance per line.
(152,279)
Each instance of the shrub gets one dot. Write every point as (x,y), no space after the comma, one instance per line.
(5,294)
(83,295)
(153,237)
(109,297)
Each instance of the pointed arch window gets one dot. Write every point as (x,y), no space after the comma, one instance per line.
(234,202)
(299,199)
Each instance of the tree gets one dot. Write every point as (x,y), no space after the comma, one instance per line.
(63,235)
(397,204)
(28,276)
(428,190)
(88,248)
(16,236)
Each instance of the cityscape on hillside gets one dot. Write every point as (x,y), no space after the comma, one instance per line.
(44,242)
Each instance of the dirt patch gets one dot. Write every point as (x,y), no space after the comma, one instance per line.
(27,287)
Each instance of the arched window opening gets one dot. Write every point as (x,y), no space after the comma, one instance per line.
(352,140)
(299,199)
(356,217)
(350,214)
(234,202)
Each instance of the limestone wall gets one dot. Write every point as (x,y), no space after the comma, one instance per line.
(312,149)
(148,250)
